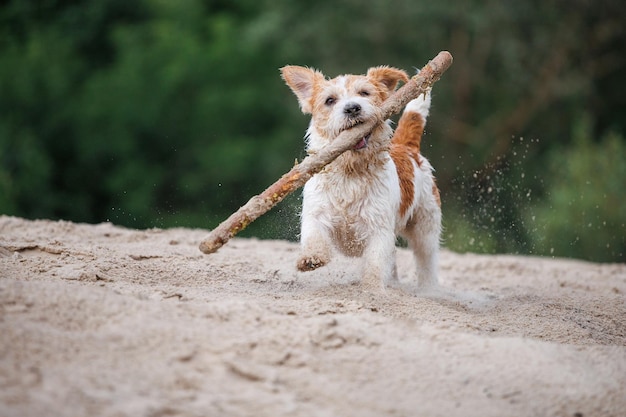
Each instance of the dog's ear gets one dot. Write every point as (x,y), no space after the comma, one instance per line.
(302,82)
(387,76)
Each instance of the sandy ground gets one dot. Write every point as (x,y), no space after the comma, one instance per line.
(98,320)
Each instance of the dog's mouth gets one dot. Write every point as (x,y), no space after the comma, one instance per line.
(361,144)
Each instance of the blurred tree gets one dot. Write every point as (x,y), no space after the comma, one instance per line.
(160,113)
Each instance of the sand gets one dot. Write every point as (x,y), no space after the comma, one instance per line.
(99,320)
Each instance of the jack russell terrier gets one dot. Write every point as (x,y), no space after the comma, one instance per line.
(379,189)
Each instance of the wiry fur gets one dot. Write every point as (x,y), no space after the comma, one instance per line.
(370,194)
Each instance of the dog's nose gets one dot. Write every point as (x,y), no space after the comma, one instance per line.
(352,109)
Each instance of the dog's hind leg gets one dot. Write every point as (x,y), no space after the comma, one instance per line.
(423,236)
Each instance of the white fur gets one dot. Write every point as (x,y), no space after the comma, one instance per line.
(356,216)
(422,229)
(421,226)
(419,105)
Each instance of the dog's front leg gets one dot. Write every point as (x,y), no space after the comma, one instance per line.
(315,243)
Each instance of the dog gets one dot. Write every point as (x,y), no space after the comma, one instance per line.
(362,200)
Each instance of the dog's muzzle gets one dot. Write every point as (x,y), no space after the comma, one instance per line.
(352,112)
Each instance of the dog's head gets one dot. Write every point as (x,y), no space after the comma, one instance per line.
(343,102)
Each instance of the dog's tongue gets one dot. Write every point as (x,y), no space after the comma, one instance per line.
(362,143)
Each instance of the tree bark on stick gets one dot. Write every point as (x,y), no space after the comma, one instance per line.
(312,164)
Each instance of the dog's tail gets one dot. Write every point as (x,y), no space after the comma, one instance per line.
(411,124)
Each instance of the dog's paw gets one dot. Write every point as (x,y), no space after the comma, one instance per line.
(420,105)
(309,263)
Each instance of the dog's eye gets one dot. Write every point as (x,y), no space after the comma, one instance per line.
(330,101)
(364,93)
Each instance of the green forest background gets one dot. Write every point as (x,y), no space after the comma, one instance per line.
(171,113)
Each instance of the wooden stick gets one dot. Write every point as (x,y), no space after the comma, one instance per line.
(312,164)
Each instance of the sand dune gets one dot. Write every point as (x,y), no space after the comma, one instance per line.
(98,320)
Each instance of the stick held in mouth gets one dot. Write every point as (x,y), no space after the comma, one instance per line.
(312,164)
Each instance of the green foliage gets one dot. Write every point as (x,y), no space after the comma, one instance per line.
(583,212)
(149,138)
(158,113)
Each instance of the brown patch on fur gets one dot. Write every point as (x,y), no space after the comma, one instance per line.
(403,157)
(304,82)
(405,148)
(436,194)
(409,131)
(387,79)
